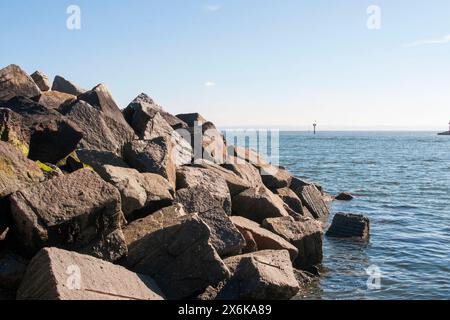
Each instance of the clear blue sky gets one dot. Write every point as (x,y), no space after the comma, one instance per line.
(278,63)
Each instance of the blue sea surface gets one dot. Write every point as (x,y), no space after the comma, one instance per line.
(401,181)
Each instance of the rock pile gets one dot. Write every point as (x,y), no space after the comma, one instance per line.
(99,203)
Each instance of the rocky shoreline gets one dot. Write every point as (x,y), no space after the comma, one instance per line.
(140,204)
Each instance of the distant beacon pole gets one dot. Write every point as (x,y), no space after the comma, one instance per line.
(315,125)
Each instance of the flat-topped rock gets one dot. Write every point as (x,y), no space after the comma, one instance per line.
(55,274)
(14,82)
(264,275)
(347,225)
(244,170)
(79,212)
(54,99)
(265,239)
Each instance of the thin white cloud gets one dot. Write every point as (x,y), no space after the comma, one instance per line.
(441,40)
(213,7)
(210,84)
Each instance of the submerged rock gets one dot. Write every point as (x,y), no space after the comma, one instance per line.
(344,196)
(264,275)
(77,212)
(14,82)
(347,225)
(55,274)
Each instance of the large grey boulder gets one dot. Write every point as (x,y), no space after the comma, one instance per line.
(55,274)
(98,159)
(274,177)
(235,183)
(14,82)
(225,237)
(313,200)
(258,204)
(265,239)
(347,225)
(244,170)
(41,80)
(177,253)
(143,192)
(264,275)
(305,235)
(79,212)
(51,135)
(191,119)
(100,132)
(141,112)
(210,182)
(291,199)
(62,85)
(154,156)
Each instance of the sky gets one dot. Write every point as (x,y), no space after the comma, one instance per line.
(249,63)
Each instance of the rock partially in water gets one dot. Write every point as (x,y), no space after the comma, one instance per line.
(344,196)
(347,225)
(305,235)
(263,275)
(55,274)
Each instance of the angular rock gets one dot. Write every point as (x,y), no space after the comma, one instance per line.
(54,99)
(15,82)
(291,199)
(141,112)
(178,254)
(16,171)
(55,274)
(250,243)
(62,85)
(264,238)
(98,159)
(225,237)
(199,199)
(12,270)
(210,182)
(41,80)
(14,130)
(248,155)
(346,225)
(77,212)
(191,119)
(244,170)
(258,204)
(313,200)
(264,275)
(344,196)
(235,183)
(154,156)
(52,136)
(101,99)
(213,144)
(100,132)
(275,177)
(305,235)
(145,192)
